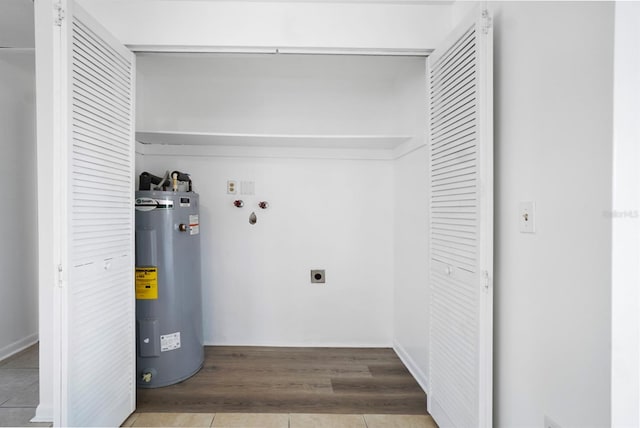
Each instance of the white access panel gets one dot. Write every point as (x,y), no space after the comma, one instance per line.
(461,227)
(96,380)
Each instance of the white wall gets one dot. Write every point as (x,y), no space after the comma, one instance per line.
(235,25)
(330,213)
(625,382)
(18,246)
(553,127)
(323,214)
(411,282)
(461,10)
(273,94)
(16,24)
(410,201)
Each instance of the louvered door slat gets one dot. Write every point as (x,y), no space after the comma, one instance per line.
(80,95)
(456,76)
(451,53)
(460,215)
(88,118)
(454,129)
(98,162)
(454,243)
(453,87)
(82,84)
(461,237)
(115,61)
(464,246)
(105,45)
(454,83)
(452,191)
(95,71)
(453,195)
(462,140)
(461,299)
(95,139)
(461,96)
(83,93)
(464,163)
(96,146)
(458,68)
(90,149)
(460,107)
(443,188)
(463,154)
(101,112)
(465,179)
(88,82)
(99,386)
(94,62)
(462,111)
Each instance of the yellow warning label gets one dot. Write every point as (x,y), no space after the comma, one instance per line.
(146,283)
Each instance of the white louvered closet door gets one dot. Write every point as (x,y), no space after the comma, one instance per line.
(97,382)
(461,227)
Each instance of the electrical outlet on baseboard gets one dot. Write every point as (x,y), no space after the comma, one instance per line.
(550,423)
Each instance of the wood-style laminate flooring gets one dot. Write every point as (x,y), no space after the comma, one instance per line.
(292,380)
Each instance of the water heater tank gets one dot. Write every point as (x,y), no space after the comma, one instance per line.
(168,287)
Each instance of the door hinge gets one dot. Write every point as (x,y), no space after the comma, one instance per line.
(58,12)
(486,21)
(485,280)
(60,275)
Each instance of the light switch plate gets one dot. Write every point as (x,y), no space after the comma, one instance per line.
(527,217)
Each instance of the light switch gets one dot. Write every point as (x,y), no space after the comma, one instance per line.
(527,217)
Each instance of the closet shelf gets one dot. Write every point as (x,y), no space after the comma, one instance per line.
(314,141)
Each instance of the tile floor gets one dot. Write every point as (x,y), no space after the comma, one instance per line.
(19,394)
(19,398)
(277,420)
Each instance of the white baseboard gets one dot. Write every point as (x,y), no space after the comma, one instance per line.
(43,414)
(305,344)
(413,368)
(17,346)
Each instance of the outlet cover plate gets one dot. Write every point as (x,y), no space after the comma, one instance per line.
(317,276)
(527,217)
(232,187)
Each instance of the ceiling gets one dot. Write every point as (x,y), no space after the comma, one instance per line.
(16,24)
